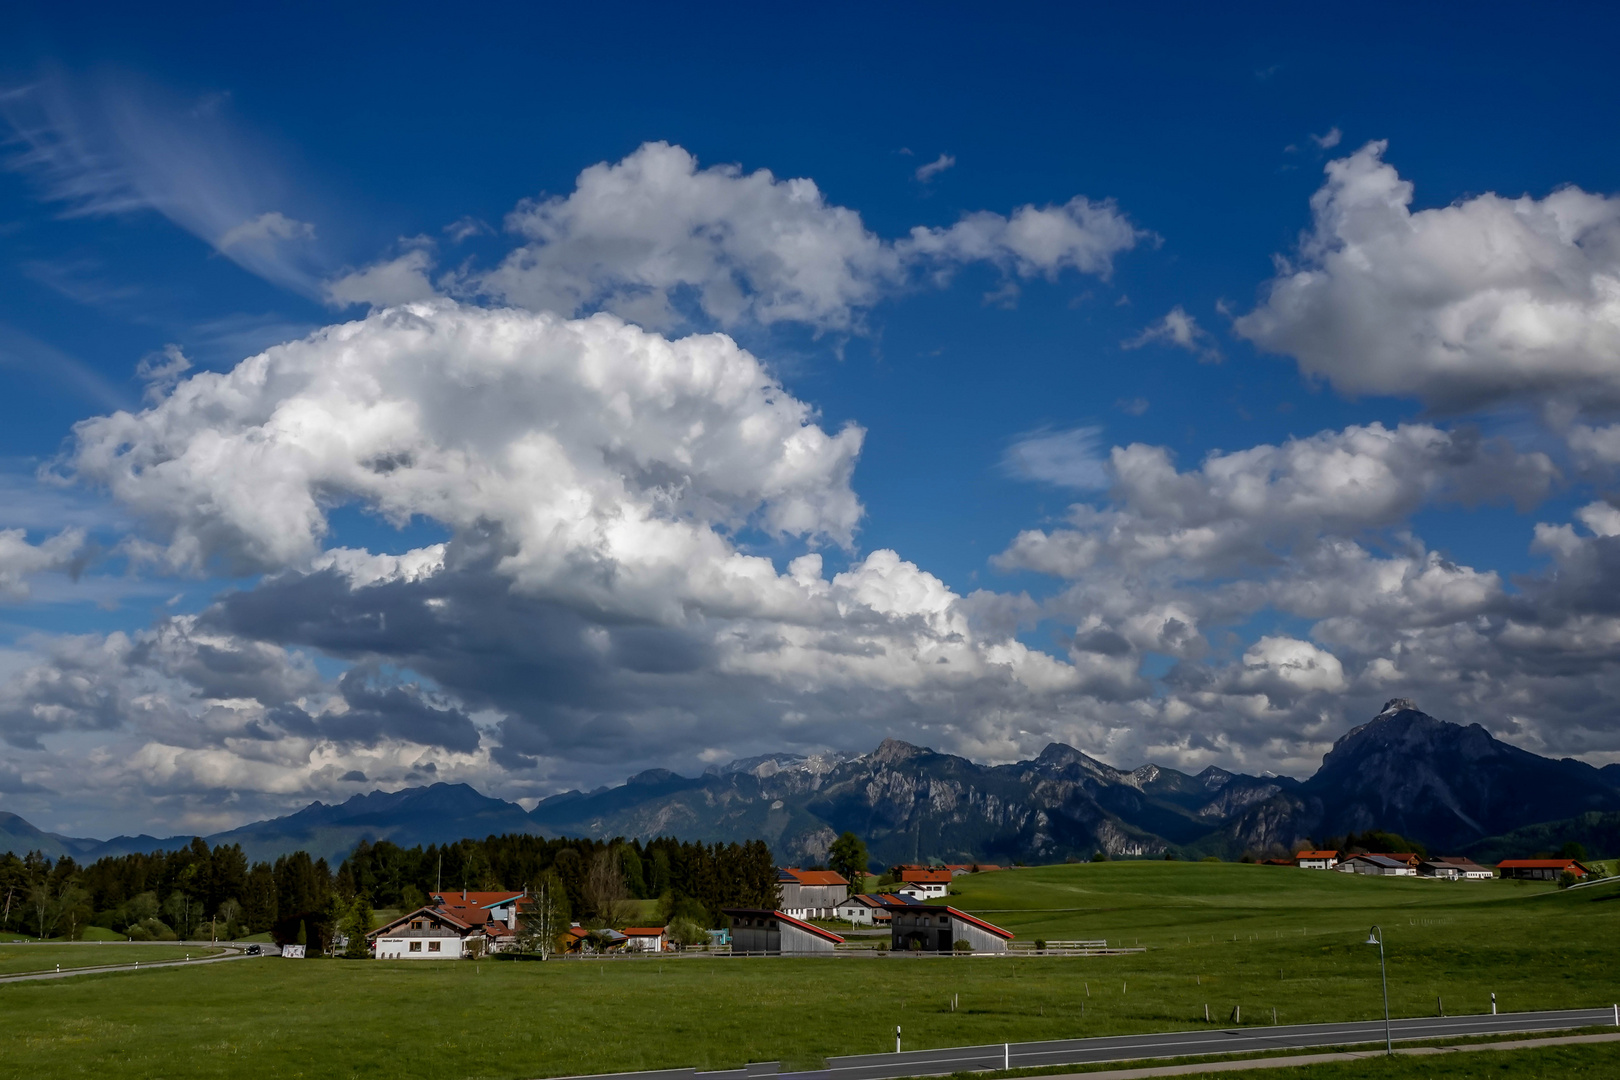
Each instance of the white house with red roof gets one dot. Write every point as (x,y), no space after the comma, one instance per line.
(644,938)
(924,884)
(454,925)
(862,909)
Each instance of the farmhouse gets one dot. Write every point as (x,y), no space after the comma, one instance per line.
(811,894)
(925,883)
(453,925)
(1468,868)
(1381,865)
(1316,860)
(427,933)
(1541,869)
(775,933)
(920,928)
(1453,868)
(863,910)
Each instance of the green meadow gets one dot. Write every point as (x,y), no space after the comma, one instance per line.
(17,959)
(1221,935)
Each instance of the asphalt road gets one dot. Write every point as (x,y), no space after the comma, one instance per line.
(1214,1040)
(232,952)
(1209,1041)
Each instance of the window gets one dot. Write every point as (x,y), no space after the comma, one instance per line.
(433,946)
(416,924)
(416,946)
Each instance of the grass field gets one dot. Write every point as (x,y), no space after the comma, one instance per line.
(16,959)
(1217,934)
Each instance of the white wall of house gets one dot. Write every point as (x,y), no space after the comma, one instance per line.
(418,948)
(638,943)
(859,914)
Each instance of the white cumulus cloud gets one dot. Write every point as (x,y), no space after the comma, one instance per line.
(643,236)
(1485,300)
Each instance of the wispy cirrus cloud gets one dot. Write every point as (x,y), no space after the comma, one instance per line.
(114,145)
(1073,458)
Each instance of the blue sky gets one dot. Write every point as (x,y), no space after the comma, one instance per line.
(1369,428)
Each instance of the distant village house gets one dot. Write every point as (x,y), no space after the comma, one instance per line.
(924,884)
(863,910)
(1541,869)
(811,894)
(451,926)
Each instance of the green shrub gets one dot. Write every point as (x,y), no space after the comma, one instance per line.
(963,945)
(151,930)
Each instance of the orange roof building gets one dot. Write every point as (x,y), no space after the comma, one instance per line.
(811,894)
(1541,869)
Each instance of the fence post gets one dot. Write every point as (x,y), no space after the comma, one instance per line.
(1493,1008)
(1006,1056)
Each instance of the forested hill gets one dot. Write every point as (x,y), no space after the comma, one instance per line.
(200,891)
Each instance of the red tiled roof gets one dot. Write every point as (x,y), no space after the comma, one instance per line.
(868,899)
(643,931)
(814,877)
(1317,855)
(457,898)
(431,912)
(926,877)
(981,924)
(1541,864)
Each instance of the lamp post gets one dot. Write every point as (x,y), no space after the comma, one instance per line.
(1375,936)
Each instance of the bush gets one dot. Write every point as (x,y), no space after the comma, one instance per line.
(1212,858)
(1040,944)
(151,930)
(1099,856)
(1566,879)
(685,933)
(964,945)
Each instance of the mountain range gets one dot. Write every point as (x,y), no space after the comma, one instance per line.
(1452,787)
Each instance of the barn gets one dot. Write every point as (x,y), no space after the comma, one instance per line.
(758,932)
(919,928)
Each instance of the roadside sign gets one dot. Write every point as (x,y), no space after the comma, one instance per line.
(292,952)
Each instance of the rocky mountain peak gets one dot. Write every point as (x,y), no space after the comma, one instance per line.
(893,752)
(1398,704)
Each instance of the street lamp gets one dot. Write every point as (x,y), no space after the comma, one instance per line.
(1375,936)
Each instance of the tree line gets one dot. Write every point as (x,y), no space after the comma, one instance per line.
(201,892)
